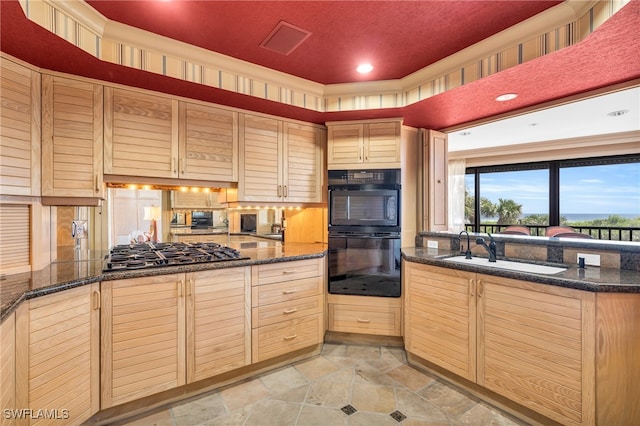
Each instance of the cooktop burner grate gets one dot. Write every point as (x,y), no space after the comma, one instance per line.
(151,255)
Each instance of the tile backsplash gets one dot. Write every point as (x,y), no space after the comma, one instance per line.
(613,254)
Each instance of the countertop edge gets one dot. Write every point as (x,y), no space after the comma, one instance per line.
(110,276)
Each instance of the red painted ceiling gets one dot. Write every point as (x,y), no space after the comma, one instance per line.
(397,37)
(403,36)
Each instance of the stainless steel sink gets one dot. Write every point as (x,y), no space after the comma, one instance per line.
(507,264)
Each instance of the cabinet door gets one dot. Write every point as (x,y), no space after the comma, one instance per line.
(537,347)
(198,200)
(58,363)
(208,143)
(218,323)
(302,164)
(382,144)
(8,368)
(20,129)
(440,309)
(72,141)
(345,145)
(435,181)
(143,337)
(260,176)
(141,134)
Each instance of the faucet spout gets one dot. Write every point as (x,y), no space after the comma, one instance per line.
(490,248)
(468,251)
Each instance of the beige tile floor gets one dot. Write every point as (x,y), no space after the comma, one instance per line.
(346,385)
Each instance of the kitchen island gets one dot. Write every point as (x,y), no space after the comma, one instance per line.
(88,345)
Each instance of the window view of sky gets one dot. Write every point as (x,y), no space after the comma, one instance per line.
(528,187)
(594,190)
(610,189)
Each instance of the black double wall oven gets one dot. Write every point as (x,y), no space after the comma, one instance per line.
(364,232)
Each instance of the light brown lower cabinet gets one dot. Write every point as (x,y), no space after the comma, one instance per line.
(8,369)
(287,307)
(164,331)
(365,314)
(531,343)
(218,322)
(57,357)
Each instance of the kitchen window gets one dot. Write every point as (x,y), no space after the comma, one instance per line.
(597,196)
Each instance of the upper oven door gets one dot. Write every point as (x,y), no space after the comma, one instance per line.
(364,207)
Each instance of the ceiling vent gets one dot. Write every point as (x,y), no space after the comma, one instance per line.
(285,38)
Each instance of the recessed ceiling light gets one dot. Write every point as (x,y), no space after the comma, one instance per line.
(618,113)
(506,97)
(464,133)
(533,124)
(364,68)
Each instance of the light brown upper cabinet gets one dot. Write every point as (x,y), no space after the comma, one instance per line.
(72,139)
(359,145)
(208,143)
(141,134)
(435,182)
(280,161)
(20,129)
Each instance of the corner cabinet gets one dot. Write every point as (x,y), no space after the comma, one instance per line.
(141,134)
(20,119)
(72,138)
(531,343)
(57,355)
(358,145)
(280,161)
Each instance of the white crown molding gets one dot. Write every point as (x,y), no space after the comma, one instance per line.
(241,76)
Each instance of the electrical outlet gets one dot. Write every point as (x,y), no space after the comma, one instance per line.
(590,259)
(432,244)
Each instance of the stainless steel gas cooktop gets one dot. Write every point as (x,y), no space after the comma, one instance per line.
(153,255)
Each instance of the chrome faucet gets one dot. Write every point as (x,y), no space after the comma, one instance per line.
(491,248)
(468,252)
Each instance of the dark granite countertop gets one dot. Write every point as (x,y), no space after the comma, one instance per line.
(60,276)
(593,279)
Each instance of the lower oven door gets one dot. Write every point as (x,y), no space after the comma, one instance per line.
(364,265)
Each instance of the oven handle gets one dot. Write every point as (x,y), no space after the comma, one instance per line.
(366,236)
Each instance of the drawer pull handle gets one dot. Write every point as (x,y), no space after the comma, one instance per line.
(289,291)
(366,321)
(289,271)
(290,337)
(289,311)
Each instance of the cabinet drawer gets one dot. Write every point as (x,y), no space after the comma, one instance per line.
(289,271)
(286,336)
(285,291)
(283,311)
(379,320)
